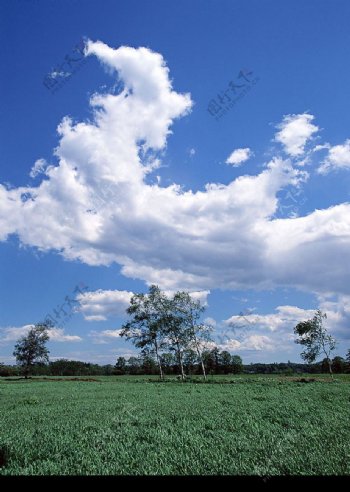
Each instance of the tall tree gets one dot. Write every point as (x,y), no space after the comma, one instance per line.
(195,334)
(175,330)
(31,349)
(144,328)
(313,335)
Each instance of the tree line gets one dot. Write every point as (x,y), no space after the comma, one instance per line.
(145,366)
(172,339)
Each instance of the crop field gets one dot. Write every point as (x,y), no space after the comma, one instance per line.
(236,425)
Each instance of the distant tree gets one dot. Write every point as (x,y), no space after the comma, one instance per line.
(134,365)
(237,364)
(212,360)
(168,362)
(31,349)
(149,366)
(348,358)
(315,338)
(225,362)
(144,328)
(4,370)
(120,365)
(338,365)
(190,360)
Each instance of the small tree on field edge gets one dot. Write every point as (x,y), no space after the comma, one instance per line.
(313,335)
(31,349)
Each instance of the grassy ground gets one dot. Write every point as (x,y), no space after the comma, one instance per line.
(256,425)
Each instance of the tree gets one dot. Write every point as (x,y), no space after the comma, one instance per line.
(314,336)
(225,360)
(120,365)
(134,365)
(211,359)
(168,362)
(194,334)
(338,365)
(145,327)
(348,357)
(190,360)
(149,366)
(174,329)
(236,364)
(32,349)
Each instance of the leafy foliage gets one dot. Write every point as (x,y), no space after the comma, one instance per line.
(31,349)
(314,337)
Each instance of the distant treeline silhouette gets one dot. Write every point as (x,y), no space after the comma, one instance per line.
(216,362)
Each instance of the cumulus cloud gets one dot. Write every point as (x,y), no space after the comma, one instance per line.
(238,156)
(338,158)
(97,206)
(295,131)
(210,321)
(101,304)
(12,334)
(38,168)
(102,337)
(273,332)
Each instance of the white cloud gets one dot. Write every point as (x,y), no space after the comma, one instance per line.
(12,334)
(338,158)
(295,131)
(284,318)
(38,168)
(238,156)
(274,332)
(210,321)
(96,206)
(101,304)
(102,337)
(58,335)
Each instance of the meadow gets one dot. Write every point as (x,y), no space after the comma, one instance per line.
(232,425)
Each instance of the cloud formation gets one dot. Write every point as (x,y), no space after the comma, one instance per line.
(273,332)
(103,304)
(294,132)
(12,334)
(238,156)
(95,204)
(338,158)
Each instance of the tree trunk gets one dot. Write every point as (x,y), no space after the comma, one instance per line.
(200,357)
(330,367)
(158,360)
(180,361)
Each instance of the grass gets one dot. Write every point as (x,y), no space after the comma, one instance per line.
(255,425)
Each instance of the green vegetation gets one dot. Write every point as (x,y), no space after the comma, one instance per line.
(256,425)
(313,335)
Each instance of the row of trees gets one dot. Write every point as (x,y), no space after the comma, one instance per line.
(214,361)
(159,323)
(172,339)
(145,366)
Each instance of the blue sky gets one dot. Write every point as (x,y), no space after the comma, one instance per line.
(142,183)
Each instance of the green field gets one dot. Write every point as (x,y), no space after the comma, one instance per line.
(255,425)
